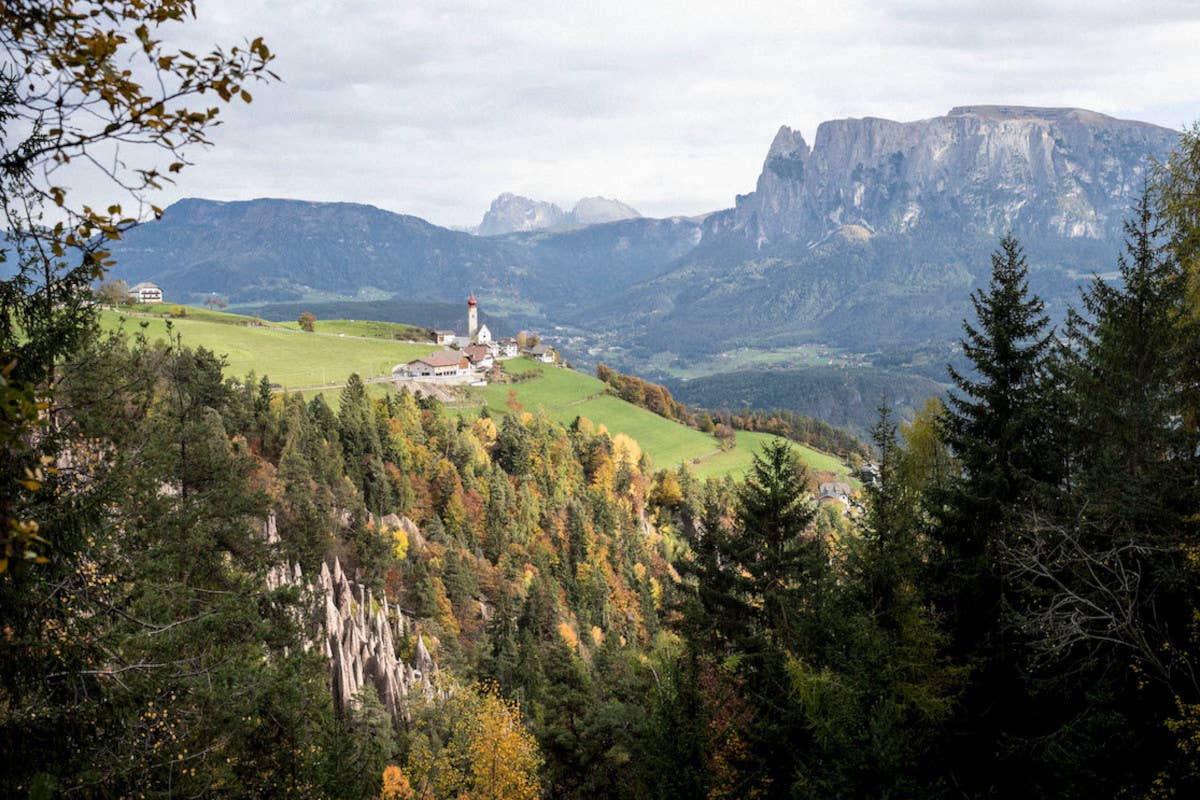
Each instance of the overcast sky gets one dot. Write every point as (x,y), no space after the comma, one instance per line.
(433,108)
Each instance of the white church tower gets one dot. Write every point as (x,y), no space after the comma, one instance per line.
(472,317)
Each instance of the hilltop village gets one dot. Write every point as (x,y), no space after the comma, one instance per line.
(474,358)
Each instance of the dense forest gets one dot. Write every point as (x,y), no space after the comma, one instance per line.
(1016,612)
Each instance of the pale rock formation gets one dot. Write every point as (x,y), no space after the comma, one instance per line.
(357,633)
(511,213)
(1060,172)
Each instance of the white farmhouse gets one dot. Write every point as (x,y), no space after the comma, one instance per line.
(146,292)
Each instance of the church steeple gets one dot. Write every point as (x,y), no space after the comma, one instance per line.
(472,317)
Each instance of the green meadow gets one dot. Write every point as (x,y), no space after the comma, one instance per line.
(565,395)
(365,328)
(288,357)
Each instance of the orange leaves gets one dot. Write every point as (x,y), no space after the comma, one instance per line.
(395,785)
(568,634)
(488,755)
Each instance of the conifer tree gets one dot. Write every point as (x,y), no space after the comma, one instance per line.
(1103,564)
(997,428)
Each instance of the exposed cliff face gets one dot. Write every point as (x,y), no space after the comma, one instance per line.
(597,210)
(986,169)
(358,633)
(511,213)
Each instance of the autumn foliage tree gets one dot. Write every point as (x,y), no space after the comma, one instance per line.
(487,752)
(87,88)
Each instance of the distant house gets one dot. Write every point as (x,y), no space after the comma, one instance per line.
(479,355)
(869,474)
(145,292)
(542,353)
(444,337)
(443,364)
(506,348)
(834,493)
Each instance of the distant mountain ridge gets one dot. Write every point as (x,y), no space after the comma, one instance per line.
(511,213)
(1060,172)
(874,237)
(869,241)
(275,250)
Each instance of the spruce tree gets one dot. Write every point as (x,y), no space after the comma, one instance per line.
(780,559)
(997,426)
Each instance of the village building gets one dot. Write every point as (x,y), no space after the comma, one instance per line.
(542,353)
(506,348)
(834,493)
(146,292)
(479,355)
(475,357)
(445,366)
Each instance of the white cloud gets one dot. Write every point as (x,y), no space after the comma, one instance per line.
(432,107)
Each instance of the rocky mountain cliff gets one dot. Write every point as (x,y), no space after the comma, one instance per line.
(510,213)
(873,238)
(596,210)
(1060,172)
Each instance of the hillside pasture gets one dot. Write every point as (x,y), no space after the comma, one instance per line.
(295,360)
(364,328)
(289,358)
(565,395)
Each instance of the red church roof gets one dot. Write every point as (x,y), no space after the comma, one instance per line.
(471,301)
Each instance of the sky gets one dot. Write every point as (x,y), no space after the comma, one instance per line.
(434,107)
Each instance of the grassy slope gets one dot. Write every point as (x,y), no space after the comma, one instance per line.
(292,359)
(565,395)
(287,357)
(370,329)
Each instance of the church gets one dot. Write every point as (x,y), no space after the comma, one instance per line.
(477,335)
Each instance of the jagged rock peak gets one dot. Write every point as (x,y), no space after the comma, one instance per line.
(512,213)
(596,210)
(787,142)
(1057,172)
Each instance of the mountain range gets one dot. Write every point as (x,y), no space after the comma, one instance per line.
(510,213)
(866,243)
